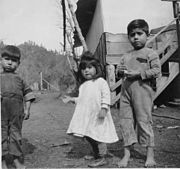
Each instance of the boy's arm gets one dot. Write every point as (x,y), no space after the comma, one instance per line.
(27,110)
(28,93)
(154,70)
(29,97)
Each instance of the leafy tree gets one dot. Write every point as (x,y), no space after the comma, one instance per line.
(36,59)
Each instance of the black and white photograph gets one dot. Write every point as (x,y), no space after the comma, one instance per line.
(90,84)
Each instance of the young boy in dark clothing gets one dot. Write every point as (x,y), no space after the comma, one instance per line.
(16,98)
(139,68)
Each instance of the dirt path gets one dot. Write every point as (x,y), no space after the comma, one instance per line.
(46,144)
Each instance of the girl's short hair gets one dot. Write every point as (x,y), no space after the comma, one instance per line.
(88,59)
(138,23)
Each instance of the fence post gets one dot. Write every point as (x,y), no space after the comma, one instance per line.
(41,81)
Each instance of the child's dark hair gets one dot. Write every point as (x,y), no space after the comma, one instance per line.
(138,23)
(87,59)
(11,51)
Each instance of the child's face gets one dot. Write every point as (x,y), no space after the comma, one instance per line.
(9,64)
(89,72)
(137,38)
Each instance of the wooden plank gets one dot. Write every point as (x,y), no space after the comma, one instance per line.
(116,37)
(164,81)
(167,35)
(167,41)
(117,48)
(115,99)
(170,28)
(163,48)
(167,49)
(168,55)
(113,60)
(116,85)
(111,78)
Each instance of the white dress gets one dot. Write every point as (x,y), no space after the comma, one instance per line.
(93,95)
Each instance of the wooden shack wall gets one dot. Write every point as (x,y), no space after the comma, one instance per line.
(112,46)
(116,46)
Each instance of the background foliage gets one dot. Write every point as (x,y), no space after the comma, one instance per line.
(54,66)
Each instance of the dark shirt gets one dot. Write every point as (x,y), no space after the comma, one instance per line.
(13,86)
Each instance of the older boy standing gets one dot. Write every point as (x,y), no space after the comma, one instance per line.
(139,68)
(16,98)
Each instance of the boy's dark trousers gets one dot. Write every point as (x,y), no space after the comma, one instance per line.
(12,113)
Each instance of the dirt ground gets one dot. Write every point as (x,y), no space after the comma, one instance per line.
(46,144)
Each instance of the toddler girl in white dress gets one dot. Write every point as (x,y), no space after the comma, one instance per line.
(92,117)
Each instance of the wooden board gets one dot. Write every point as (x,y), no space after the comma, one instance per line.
(113,59)
(111,78)
(164,81)
(117,47)
(116,37)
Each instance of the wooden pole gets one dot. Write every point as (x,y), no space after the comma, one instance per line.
(41,81)
(78,29)
(176,11)
(177,14)
(64,23)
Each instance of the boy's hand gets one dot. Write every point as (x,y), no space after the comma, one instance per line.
(26,114)
(131,74)
(102,113)
(120,69)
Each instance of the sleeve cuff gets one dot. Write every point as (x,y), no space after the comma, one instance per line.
(29,97)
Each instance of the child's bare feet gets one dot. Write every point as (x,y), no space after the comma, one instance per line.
(18,164)
(4,165)
(150,161)
(124,161)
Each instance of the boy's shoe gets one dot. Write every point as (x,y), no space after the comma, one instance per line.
(97,163)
